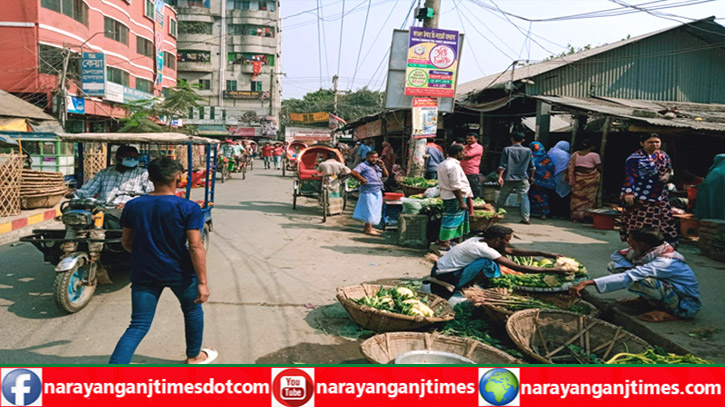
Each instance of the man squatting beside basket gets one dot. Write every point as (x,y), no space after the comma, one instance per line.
(478,259)
(156,229)
(665,285)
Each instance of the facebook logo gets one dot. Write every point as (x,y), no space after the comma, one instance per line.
(22,387)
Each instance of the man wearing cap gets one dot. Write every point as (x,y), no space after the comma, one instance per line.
(114,186)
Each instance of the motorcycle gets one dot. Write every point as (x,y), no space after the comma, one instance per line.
(79,250)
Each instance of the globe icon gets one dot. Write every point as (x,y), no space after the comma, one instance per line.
(498,387)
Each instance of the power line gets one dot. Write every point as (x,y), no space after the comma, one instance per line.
(375,74)
(319,40)
(470,47)
(667,16)
(486,38)
(362,40)
(380,31)
(342,28)
(324,41)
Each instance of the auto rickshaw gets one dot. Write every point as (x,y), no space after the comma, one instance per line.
(84,245)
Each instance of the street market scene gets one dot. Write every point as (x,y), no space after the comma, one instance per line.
(485,196)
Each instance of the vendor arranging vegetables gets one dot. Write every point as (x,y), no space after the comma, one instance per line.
(479,259)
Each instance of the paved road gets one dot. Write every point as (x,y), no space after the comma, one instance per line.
(272,272)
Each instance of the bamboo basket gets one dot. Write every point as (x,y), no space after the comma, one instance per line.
(480,223)
(409,190)
(41,189)
(382,321)
(544,335)
(499,313)
(384,348)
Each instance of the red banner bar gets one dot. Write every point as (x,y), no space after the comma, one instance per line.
(301,386)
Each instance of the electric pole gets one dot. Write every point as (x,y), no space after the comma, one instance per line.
(334,89)
(223,53)
(63,94)
(417,146)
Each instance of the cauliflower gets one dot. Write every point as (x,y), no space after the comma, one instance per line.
(405,292)
(567,263)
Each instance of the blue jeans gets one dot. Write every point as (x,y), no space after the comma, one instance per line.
(522,189)
(277,161)
(144,298)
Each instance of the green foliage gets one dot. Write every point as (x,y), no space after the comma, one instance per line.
(571,50)
(143,112)
(350,106)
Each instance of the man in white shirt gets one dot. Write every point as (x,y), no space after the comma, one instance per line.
(478,259)
(456,195)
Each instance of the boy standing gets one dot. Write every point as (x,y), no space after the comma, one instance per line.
(156,229)
(516,173)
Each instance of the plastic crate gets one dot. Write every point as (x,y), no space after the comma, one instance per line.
(412,230)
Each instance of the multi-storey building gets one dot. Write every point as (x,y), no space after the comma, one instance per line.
(230,50)
(130,40)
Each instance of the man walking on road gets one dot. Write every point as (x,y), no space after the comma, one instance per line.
(516,173)
(471,163)
(156,230)
(267,155)
(277,154)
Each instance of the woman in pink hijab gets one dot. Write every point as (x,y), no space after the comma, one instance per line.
(388,155)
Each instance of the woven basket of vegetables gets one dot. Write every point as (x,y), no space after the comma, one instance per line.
(484,219)
(555,336)
(500,303)
(415,185)
(383,308)
(384,348)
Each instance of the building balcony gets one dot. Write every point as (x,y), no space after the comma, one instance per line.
(266,43)
(248,68)
(196,7)
(195,67)
(199,42)
(259,14)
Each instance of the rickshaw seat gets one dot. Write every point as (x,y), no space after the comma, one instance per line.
(309,174)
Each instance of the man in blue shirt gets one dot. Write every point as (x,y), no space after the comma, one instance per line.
(156,230)
(516,173)
(369,208)
(656,272)
(435,157)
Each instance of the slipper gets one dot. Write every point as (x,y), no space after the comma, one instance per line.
(657,316)
(211,355)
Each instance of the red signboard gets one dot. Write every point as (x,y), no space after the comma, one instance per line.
(242,131)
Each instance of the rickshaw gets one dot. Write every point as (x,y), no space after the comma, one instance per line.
(289,159)
(84,245)
(310,183)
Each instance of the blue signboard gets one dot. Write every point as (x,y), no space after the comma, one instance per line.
(76,105)
(93,73)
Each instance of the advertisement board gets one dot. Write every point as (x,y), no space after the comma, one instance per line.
(425,117)
(93,74)
(432,62)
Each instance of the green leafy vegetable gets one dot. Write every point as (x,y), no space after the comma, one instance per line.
(420,182)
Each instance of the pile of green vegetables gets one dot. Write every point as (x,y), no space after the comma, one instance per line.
(540,280)
(656,356)
(400,300)
(467,325)
(352,183)
(488,214)
(419,182)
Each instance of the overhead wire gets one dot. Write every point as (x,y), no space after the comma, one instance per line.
(375,74)
(470,47)
(504,53)
(342,29)
(362,41)
(319,41)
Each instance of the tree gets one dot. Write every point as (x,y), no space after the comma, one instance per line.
(571,50)
(181,98)
(350,106)
(144,115)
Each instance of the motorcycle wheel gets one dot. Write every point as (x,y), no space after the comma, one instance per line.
(70,294)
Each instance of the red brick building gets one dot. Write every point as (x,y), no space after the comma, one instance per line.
(35,35)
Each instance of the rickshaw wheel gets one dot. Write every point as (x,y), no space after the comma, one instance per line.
(325,204)
(244,171)
(294,196)
(283,168)
(70,294)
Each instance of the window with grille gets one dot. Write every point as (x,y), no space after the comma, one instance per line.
(115,30)
(195,27)
(116,75)
(149,9)
(145,47)
(144,85)
(256,86)
(169,60)
(211,113)
(201,112)
(75,9)
(172,27)
(231,85)
(204,84)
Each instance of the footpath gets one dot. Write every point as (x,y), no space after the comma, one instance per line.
(13,228)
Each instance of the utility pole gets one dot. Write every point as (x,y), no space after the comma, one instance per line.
(223,52)
(63,94)
(334,89)
(416,162)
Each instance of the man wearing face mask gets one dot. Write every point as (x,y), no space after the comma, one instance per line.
(118,184)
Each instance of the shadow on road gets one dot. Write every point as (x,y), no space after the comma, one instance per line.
(30,355)
(26,283)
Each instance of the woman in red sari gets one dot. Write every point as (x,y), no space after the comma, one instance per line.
(585,167)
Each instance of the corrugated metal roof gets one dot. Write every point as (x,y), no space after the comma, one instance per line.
(706,30)
(13,106)
(695,116)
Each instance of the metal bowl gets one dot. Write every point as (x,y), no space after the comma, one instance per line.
(431,357)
